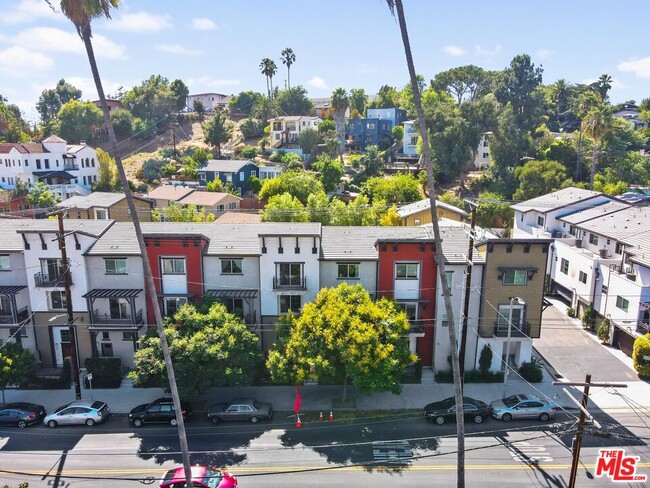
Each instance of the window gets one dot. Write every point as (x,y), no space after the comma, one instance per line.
(47,163)
(540,221)
(582,277)
(173,266)
(232,205)
(593,239)
(57,300)
(604,289)
(4,263)
(504,315)
(622,303)
(348,270)
(515,277)
(231,266)
(411,310)
(128,336)
(572,230)
(564,266)
(406,271)
(101,214)
(241,176)
(371,125)
(486,155)
(202,176)
(253,173)
(120,308)
(290,302)
(115,265)
(619,248)
(229,178)
(444,320)
(171,305)
(289,274)
(38,164)
(450,278)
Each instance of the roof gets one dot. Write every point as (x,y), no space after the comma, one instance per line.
(74,148)
(113,293)
(10,239)
(118,240)
(54,174)
(555,200)
(54,139)
(169,192)
(413,208)
(600,210)
(204,94)
(93,228)
(622,225)
(11,289)
(225,165)
(23,148)
(638,247)
(94,199)
(233,217)
(359,242)
(455,242)
(294,117)
(207,198)
(232,293)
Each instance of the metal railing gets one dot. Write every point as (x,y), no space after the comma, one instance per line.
(293,283)
(417,327)
(107,318)
(517,330)
(8,318)
(49,280)
(70,167)
(643,327)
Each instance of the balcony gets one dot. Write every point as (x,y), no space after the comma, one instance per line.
(501,330)
(643,328)
(70,167)
(22,315)
(107,319)
(416,327)
(46,280)
(289,283)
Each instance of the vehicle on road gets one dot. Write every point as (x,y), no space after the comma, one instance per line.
(444,410)
(22,414)
(159,411)
(79,412)
(242,409)
(522,407)
(202,476)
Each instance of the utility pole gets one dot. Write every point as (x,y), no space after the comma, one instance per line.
(577,440)
(174,133)
(468,286)
(72,328)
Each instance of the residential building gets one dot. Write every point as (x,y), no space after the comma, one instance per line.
(396,115)
(210,101)
(106,206)
(243,217)
(164,195)
(286,130)
(368,132)
(410,141)
(482,159)
(234,171)
(100,130)
(633,116)
(211,202)
(268,171)
(15,205)
(419,213)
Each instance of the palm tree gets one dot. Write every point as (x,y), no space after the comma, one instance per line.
(81,13)
(265,109)
(597,123)
(396,6)
(581,107)
(559,94)
(603,85)
(268,69)
(340,102)
(288,58)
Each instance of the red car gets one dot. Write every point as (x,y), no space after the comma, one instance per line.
(202,476)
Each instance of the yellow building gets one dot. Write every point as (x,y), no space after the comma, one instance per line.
(419,213)
(101,205)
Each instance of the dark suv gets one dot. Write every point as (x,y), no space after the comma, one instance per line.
(158,411)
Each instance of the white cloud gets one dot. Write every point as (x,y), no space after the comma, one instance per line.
(318,82)
(87,86)
(29,11)
(51,39)
(19,62)
(203,23)
(483,51)
(640,67)
(453,50)
(139,22)
(210,82)
(543,53)
(177,49)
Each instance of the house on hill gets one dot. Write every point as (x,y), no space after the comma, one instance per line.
(101,205)
(419,213)
(234,171)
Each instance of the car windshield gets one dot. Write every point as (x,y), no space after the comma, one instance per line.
(448,402)
(97,405)
(212,478)
(61,408)
(511,401)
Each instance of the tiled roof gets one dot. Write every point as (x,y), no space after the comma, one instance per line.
(23,147)
(54,139)
(455,242)
(169,192)
(233,217)
(118,240)
(359,242)
(224,165)
(587,214)
(425,204)
(207,198)
(94,228)
(95,199)
(555,200)
(638,246)
(10,239)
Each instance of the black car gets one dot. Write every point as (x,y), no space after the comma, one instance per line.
(22,414)
(439,412)
(246,409)
(160,410)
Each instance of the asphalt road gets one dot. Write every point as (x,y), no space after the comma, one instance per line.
(392,450)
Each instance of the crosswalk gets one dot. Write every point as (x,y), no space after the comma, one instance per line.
(395,453)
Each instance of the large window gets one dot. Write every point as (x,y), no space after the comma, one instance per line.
(57,300)
(582,277)
(115,265)
(622,303)
(593,239)
(348,271)
(407,271)
(101,214)
(120,308)
(233,305)
(411,310)
(504,315)
(173,266)
(289,274)
(172,304)
(564,266)
(290,302)
(515,277)
(4,263)
(231,266)
(540,221)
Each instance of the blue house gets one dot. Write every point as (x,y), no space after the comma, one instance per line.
(237,172)
(368,132)
(395,115)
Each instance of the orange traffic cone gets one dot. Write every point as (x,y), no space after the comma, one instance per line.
(331,416)
(321,417)
(298,422)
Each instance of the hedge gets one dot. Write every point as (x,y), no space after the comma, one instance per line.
(474,376)
(640,352)
(107,372)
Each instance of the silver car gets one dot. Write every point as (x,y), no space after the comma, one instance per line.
(522,407)
(78,412)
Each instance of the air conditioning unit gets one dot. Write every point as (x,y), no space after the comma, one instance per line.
(604,253)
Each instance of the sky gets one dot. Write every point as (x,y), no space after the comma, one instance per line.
(217,46)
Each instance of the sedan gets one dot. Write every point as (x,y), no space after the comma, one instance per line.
(158,411)
(522,407)
(79,412)
(202,476)
(440,412)
(245,409)
(21,414)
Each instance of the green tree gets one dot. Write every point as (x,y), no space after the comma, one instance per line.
(330,172)
(308,140)
(372,161)
(518,88)
(107,179)
(16,365)
(180,91)
(153,100)
(388,97)
(211,348)
(358,100)
(398,189)
(398,132)
(294,101)
(602,86)
(538,178)
(199,108)
(343,334)
(288,58)
(13,128)
(463,83)
(597,123)
(217,131)
(252,127)
(122,122)
(215,186)
(451,199)
(641,351)
(299,184)
(493,211)
(76,120)
(485,360)
(318,208)
(40,196)
(177,212)
(340,103)
(242,103)
(284,208)
(265,109)
(268,68)
(51,100)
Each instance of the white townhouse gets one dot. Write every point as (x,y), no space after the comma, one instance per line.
(69,169)
(286,130)
(482,159)
(210,101)
(410,139)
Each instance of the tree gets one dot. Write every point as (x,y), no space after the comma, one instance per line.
(640,351)
(51,100)
(242,103)
(308,140)
(177,212)
(107,179)
(358,100)
(372,161)
(537,178)
(463,82)
(294,101)
(153,100)
(13,128)
(340,103)
(318,208)
(330,172)
(284,208)
(265,109)
(288,58)
(251,127)
(398,132)
(559,94)
(122,122)
(493,211)
(597,123)
(199,108)
(40,196)
(388,98)
(209,348)
(76,120)
(299,184)
(343,334)
(485,359)
(180,91)
(451,199)
(268,69)
(217,131)
(398,189)
(602,86)
(518,88)
(16,365)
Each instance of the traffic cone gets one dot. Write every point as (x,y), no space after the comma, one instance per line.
(321,417)
(298,422)
(331,416)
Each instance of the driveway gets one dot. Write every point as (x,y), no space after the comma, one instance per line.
(573,352)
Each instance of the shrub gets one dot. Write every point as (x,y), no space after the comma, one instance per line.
(289,158)
(604,330)
(142,188)
(485,360)
(150,170)
(413,373)
(251,127)
(276,156)
(587,318)
(570,311)
(531,371)
(474,376)
(640,352)
(248,152)
(107,372)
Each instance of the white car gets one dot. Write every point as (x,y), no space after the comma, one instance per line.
(78,412)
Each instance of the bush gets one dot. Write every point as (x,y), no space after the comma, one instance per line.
(142,188)
(289,158)
(640,352)
(251,127)
(474,376)
(413,373)
(485,360)
(570,311)
(107,372)
(63,382)
(603,331)
(248,152)
(531,371)
(150,170)
(276,156)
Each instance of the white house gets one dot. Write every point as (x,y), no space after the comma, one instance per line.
(482,159)
(286,130)
(410,141)
(210,101)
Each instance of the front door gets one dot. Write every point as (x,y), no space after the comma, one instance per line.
(62,346)
(107,349)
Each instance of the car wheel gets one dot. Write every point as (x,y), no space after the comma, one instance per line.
(254,420)
(52,423)
(506,417)
(90,422)
(440,420)
(216,420)
(544,417)
(137,422)
(22,424)
(478,419)
(173,422)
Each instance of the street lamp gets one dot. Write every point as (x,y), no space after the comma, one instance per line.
(512,300)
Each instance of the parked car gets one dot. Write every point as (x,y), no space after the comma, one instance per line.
(439,412)
(160,410)
(202,476)
(22,414)
(79,412)
(246,409)
(522,407)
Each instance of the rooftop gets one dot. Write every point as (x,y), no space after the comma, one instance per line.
(587,214)
(224,165)
(169,192)
(238,218)
(95,199)
(556,200)
(425,204)
(207,198)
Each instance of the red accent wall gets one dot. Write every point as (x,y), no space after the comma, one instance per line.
(423,252)
(173,247)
